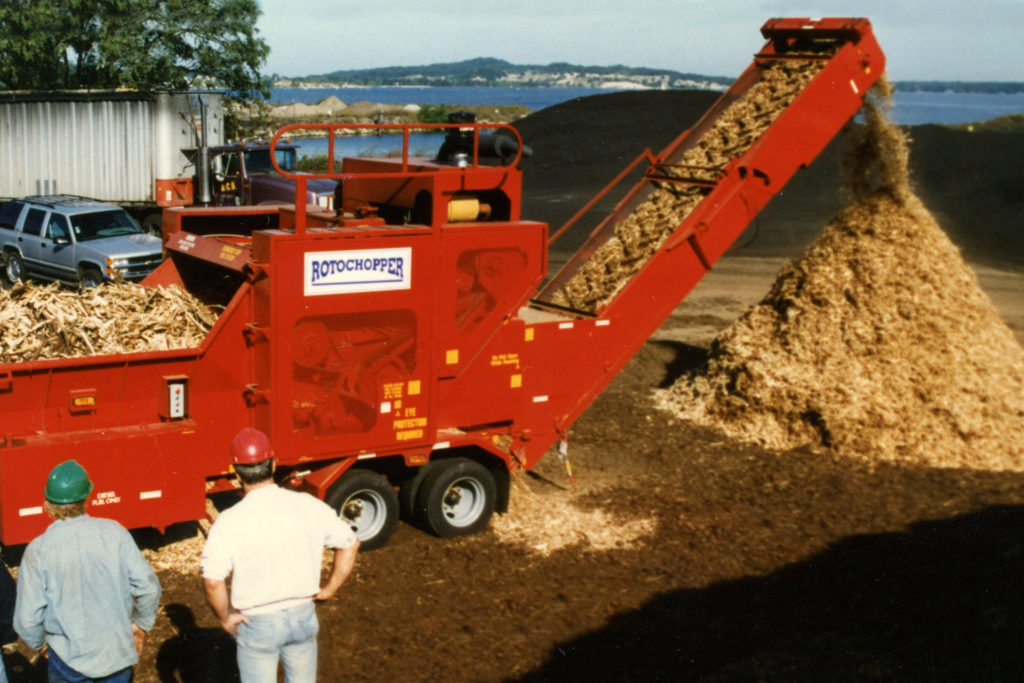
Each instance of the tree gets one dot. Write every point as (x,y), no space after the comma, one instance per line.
(137,44)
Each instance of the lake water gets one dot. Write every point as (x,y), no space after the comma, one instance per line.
(909,109)
(420,145)
(531,98)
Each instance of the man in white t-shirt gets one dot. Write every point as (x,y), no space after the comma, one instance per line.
(271,543)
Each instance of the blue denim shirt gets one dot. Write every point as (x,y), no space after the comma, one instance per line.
(81,586)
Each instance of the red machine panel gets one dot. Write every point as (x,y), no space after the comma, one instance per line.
(143,476)
(348,325)
(489,270)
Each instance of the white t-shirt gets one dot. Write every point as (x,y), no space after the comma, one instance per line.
(272,543)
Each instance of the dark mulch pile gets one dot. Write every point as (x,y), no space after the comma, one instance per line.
(969,181)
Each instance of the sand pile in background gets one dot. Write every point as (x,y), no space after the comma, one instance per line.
(877,342)
(48,321)
(643,231)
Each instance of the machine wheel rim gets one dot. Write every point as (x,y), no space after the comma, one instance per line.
(366,512)
(463,502)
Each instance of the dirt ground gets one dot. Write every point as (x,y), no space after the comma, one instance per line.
(761,565)
(740,563)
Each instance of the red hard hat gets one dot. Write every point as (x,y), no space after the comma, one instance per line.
(250,446)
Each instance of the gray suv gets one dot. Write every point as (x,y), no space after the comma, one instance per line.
(74,240)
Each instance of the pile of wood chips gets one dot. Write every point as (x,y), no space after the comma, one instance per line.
(643,231)
(876,343)
(48,321)
(546,523)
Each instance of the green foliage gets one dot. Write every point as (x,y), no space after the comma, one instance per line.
(136,44)
(1011,123)
(433,113)
(316,163)
(982,87)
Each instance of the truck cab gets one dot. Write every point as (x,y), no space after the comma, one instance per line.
(242,174)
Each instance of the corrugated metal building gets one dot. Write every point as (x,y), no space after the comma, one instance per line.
(112,146)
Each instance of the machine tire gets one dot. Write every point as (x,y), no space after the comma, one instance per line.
(456,497)
(14,267)
(367,501)
(89,277)
(408,489)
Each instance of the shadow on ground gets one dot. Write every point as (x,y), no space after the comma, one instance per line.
(195,654)
(941,602)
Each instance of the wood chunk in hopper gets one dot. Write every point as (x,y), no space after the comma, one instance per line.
(49,321)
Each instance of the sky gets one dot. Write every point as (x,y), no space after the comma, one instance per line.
(965,40)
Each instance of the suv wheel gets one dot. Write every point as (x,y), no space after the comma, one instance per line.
(89,278)
(14,269)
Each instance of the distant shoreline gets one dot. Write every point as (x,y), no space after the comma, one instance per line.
(947,87)
(909,108)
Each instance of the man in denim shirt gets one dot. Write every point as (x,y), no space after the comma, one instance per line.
(84,589)
(271,543)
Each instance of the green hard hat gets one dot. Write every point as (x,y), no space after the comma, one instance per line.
(68,483)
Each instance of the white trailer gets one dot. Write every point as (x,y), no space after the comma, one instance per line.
(127,148)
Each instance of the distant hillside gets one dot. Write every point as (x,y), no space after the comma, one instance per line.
(490,72)
(987,87)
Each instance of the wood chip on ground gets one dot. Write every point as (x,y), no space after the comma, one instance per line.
(544,523)
(876,343)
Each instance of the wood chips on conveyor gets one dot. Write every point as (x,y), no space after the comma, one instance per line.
(643,231)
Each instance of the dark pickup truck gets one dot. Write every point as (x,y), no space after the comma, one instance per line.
(243,175)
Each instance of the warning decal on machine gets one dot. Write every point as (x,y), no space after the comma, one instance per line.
(363,270)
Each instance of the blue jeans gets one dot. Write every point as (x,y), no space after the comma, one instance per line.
(59,672)
(288,635)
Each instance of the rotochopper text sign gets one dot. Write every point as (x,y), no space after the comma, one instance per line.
(363,270)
